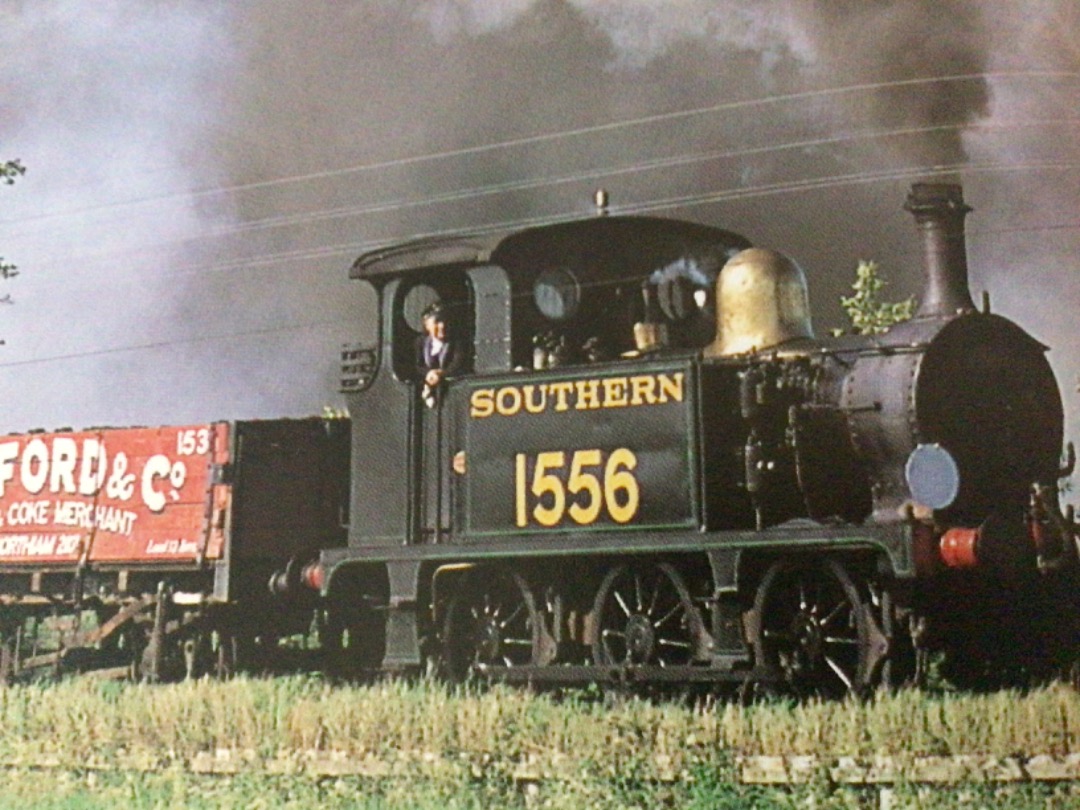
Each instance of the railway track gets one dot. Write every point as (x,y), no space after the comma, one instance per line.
(752,770)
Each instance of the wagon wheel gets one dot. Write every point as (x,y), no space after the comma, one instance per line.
(811,629)
(168,663)
(226,654)
(644,615)
(492,622)
(199,656)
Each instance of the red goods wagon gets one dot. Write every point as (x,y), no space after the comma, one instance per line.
(169,535)
(134,496)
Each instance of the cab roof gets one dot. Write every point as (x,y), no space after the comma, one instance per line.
(602,235)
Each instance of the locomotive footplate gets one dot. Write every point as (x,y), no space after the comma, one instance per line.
(894,541)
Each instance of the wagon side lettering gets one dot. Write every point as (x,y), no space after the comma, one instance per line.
(121,483)
(9,451)
(93,468)
(156,467)
(27,513)
(193,441)
(34,470)
(67,545)
(65,456)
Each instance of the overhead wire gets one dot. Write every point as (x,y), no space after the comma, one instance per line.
(592,129)
(540,220)
(675,161)
(636,207)
(644,206)
(168,344)
(510,186)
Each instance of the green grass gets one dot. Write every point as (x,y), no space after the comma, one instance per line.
(431,745)
(74,790)
(506,727)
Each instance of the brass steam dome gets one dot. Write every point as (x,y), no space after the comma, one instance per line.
(761,302)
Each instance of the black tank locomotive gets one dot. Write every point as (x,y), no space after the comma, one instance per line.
(648,468)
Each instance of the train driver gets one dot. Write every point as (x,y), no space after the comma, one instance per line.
(439,355)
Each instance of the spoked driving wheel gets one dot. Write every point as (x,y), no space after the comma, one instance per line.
(492,623)
(812,633)
(644,615)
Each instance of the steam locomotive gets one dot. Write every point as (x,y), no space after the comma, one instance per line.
(646,469)
(652,470)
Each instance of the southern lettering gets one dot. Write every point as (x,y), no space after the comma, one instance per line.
(580,395)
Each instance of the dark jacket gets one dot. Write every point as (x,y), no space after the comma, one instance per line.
(449,358)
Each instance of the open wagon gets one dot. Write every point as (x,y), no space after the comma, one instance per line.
(150,549)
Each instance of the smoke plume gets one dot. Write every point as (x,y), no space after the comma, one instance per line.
(201,175)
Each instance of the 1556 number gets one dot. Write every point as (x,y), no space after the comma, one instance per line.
(592,484)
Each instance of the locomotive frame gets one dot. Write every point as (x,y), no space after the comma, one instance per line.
(665,510)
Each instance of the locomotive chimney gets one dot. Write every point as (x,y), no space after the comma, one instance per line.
(939,211)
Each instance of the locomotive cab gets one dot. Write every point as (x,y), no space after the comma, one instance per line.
(527,311)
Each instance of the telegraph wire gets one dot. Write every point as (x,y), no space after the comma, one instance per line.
(563,134)
(681,160)
(166,344)
(633,208)
(645,206)
(653,164)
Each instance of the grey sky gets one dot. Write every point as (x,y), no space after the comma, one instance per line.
(202,174)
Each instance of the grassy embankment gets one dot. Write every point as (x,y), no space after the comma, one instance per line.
(425,744)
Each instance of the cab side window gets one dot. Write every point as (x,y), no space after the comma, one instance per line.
(432,330)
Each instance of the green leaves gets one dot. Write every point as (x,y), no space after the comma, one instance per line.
(868,313)
(10,169)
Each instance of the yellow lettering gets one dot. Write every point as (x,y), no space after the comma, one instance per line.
(643,390)
(579,481)
(581,395)
(588,394)
(619,477)
(615,392)
(592,487)
(482,403)
(545,483)
(519,490)
(561,390)
(671,387)
(532,404)
(508,400)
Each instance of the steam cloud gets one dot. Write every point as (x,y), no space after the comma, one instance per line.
(175,99)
